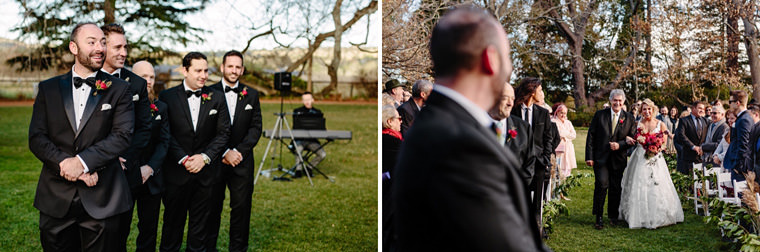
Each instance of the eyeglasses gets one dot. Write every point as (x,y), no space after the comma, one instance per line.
(397,117)
(731,101)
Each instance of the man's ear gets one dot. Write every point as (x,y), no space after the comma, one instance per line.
(73,48)
(489,60)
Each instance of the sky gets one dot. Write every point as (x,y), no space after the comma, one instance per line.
(228,25)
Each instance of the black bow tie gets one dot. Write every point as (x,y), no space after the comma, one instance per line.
(228,88)
(79,81)
(117,75)
(197,93)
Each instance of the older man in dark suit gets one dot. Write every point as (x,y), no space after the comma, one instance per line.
(455,187)
(715,133)
(200,126)
(81,122)
(690,134)
(236,164)
(513,132)
(408,111)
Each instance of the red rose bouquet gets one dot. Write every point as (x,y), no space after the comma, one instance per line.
(652,142)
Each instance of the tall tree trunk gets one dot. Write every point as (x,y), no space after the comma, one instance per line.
(732,37)
(648,48)
(109,7)
(309,81)
(750,43)
(579,79)
(332,69)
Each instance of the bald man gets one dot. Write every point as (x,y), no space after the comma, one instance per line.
(521,144)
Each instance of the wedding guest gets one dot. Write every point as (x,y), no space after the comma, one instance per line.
(665,118)
(391,145)
(690,134)
(513,132)
(407,95)
(708,115)
(714,134)
(388,99)
(566,150)
(395,89)
(148,194)
(439,203)
(81,122)
(739,149)
(674,116)
(720,151)
(420,92)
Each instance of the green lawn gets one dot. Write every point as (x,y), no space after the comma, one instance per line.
(575,232)
(287,216)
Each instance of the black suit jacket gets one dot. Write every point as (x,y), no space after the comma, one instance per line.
(155,152)
(407,111)
(521,146)
(103,134)
(211,136)
(542,135)
(455,188)
(688,137)
(141,137)
(753,162)
(600,135)
(711,142)
(245,131)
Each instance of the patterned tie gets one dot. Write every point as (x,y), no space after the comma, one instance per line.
(614,122)
(500,133)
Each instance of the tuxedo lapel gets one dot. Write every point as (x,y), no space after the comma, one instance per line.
(607,123)
(239,106)
(68,100)
(182,98)
(92,102)
(206,106)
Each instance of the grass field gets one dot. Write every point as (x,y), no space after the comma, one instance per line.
(287,216)
(576,232)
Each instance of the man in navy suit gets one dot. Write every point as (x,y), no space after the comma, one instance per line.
(236,164)
(739,150)
(456,188)
(81,122)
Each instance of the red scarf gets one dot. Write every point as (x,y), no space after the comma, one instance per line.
(394,133)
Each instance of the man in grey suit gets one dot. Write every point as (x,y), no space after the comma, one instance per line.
(456,188)
(715,133)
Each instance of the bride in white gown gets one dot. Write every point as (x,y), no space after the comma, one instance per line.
(649,199)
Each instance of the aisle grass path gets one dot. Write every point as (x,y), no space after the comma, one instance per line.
(575,232)
(286,216)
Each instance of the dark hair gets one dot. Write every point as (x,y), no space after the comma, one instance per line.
(112,28)
(697,103)
(307,93)
(459,38)
(75,32)
(526,89)
(190,57)
(231,53)
(740,96)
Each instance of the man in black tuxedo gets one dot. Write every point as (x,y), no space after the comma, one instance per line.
(81,122)
(715,133)
(147,194)
(116,54)
(200,127)
(514,133)
(610,134)
(529,93)
(455,187)
(690,134)
(420,92)
(237,164)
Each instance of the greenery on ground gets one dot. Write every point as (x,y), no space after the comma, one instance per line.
(575,231)
(286,216)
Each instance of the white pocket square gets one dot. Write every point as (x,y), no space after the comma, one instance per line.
(136,97)
(212,112)
(248,107)
(127,79)
(105,107)
(158,117)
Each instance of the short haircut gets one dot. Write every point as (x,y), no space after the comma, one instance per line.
(77,27)
(697,103)
(459,38)
(421,86)
(740,96)
(189,57)
(112,28)
(526,89)
(231,53)
(617,92)
(389,111)
(307,93)
(718,109)
(754,109)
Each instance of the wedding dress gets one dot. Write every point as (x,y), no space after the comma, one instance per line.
(649,199)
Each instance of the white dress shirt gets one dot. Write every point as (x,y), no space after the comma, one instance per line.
(614,115)
(231,98)
(502,125)
(194,102)
(117,71)
(529,120)
(80,96)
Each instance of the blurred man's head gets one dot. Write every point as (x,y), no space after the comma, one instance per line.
(421,89)
(145,70)
(308,100)
(503,108)
(116,47)
(717,113)
(738,99)
(617,98)
(664,110)
(395,89)
(698,109)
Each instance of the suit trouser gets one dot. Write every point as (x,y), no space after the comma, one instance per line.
(241,191)
(608,178)
(78,231)
(148,206)
(179,200)
(537,186)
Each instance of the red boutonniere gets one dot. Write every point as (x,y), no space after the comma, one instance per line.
(101,85)
(512,133)
(242,94)
(621,121)
(205,97)
(153,109)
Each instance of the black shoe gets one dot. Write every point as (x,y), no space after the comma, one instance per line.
(614,222)
(599,224)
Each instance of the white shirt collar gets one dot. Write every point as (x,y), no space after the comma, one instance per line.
(478,113)
(114,72)
(74,74)
(225,84)
(188,88)
(612,112)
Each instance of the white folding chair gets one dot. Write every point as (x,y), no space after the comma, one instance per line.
(708,188)
(739,186)
(697,187)
(725,177)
